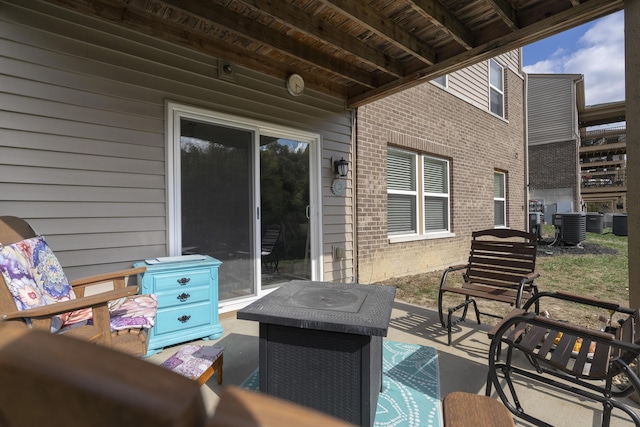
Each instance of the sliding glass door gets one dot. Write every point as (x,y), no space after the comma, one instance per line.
(244,195)
(284,197)
(216,193)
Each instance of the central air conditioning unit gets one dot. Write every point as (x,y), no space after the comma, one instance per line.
(571,227)
(535,223)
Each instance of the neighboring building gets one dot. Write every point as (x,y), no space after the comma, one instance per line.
(603,160)
(573,167)
(435,163)
(554,138)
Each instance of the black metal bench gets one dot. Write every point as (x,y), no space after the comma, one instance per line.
(500,268)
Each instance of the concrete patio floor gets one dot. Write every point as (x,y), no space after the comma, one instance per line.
(463,365)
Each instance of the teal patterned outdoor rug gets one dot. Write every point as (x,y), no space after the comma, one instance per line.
(410,394)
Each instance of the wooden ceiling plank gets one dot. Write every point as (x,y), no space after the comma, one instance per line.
(220,16)
(171,32)
(441,17)
(315,27)
(539,30)
(385,28)
(506,13)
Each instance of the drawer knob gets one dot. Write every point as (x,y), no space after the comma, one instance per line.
(183,297)
(183,281)
(184,319)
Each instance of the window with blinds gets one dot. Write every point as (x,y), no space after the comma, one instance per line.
(404,171)
(499,200)
(402,192)
(496,88)
(436,194)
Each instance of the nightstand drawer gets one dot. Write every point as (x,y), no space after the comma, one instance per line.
(182,318)
(181,297)
(180,280)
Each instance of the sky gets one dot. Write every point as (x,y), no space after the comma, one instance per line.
(595,50)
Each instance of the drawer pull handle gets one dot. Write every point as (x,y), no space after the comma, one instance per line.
(183,281)
(184,319)
(183,297)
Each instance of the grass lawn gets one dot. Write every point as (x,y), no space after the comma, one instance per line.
(598,275)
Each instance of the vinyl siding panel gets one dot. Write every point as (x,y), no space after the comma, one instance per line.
(82,134)
(472,83)
(552,106)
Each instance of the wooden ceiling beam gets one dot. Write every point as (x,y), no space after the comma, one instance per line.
(385,28)
(316,28)
(118,13)
(441,17)
(222,17)
(508,14)
(554,24)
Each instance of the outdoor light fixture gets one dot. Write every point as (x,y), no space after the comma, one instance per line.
(341,168)
(339,183)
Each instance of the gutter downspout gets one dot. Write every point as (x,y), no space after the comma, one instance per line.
(526,144)
(354,204)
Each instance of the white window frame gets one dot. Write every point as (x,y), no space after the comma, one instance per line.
(500,198)
(412,193)
(495,89)
(445,195)
(419,194)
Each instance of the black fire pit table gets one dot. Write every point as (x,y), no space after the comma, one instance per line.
(321,345)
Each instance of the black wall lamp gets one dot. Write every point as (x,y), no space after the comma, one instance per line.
(341,168)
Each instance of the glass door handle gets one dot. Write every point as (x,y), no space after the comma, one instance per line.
(308,211)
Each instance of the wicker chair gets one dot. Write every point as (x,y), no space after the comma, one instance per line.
(559,354)
(99,330)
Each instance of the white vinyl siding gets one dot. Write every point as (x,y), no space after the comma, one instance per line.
(436,195)
(471,84)
(499,200)
(402,192)
(496,88)
(552,108)
(82,134)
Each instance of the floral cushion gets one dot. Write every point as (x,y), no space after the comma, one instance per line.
(35,278)
(137,311)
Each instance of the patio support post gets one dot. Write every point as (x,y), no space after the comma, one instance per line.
(632,83)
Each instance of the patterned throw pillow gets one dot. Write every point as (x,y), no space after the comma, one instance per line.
(34,276)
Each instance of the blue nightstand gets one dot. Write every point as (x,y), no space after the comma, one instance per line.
(187,291)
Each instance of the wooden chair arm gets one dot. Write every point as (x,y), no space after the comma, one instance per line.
(607,305)
(241,408)
(74,304)
(115,276)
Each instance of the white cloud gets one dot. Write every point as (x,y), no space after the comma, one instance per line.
(599,56)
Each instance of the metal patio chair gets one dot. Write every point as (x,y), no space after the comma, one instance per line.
(572,358)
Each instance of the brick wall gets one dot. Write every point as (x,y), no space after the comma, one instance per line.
(553,165)
(430,120)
